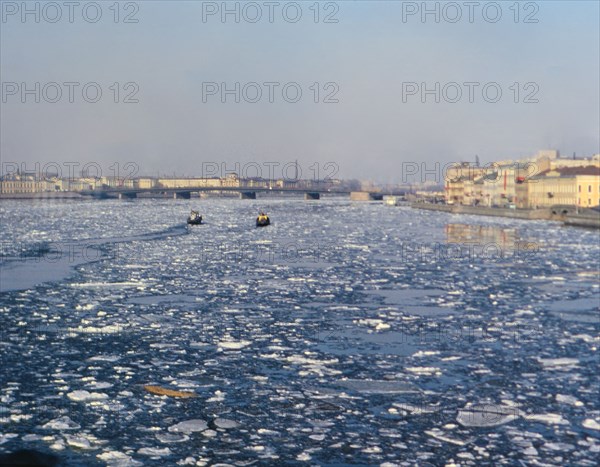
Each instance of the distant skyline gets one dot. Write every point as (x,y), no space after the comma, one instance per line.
(373,61)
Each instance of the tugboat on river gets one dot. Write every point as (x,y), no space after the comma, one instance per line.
(262,220)
(195,218)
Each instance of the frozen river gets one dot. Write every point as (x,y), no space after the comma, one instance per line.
(343,334)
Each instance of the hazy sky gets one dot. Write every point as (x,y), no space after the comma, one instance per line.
(370,55)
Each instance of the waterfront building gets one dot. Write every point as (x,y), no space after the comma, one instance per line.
(460,183)
(82,184)
(575,186)
(144,183)
(19,184)
(195,182)
(497,188)
(542,180)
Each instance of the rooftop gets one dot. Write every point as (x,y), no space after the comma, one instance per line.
(571,171)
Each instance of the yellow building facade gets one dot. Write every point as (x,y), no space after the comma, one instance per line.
(574,186)
(21,184)
(190,183)
(588,190)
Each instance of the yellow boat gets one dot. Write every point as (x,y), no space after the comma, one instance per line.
(262,220)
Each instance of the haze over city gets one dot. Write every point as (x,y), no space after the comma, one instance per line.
(367,61)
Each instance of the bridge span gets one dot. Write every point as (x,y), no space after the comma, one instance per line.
(245,192)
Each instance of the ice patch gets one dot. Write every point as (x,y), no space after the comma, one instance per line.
(117,459)
(591,424)
(424,370)
(549,418)
(189,426)
(559,446)
(234,345)
(303,457)
(560,364)
(225,423)
(530,451)
(425,353)
(85,396)
(104,358)
(99,385)
(62,423)
(439,434)
(168,438)
(7,437)
(109,284)
(218,397)
(110,329)
(586,338)
(486,415)
(154,452)
(78,442)
(570,400)
(377,324)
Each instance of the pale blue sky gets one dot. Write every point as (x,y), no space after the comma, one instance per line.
(369,53)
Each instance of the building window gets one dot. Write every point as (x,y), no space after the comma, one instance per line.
(579,188)
(589,188)
(589,201)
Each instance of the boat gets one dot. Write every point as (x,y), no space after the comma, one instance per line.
(390,200)
(194,218)
(262,220)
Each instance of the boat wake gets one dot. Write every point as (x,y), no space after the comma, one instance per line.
(55,261)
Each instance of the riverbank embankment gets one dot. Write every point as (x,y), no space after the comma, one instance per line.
(587,218)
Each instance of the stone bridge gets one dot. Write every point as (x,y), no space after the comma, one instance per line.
(245,192)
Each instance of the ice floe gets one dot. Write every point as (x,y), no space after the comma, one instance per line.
(79,442)
(61,423)
(233,345)
(559,364)
(85,396)
(168,438)
(154,452)
(189,426)
(591,424)
(442,436)
(549,418)
(117,459)
(424,370)
(569,400)
(225,423)
(486,415)
(376,324)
